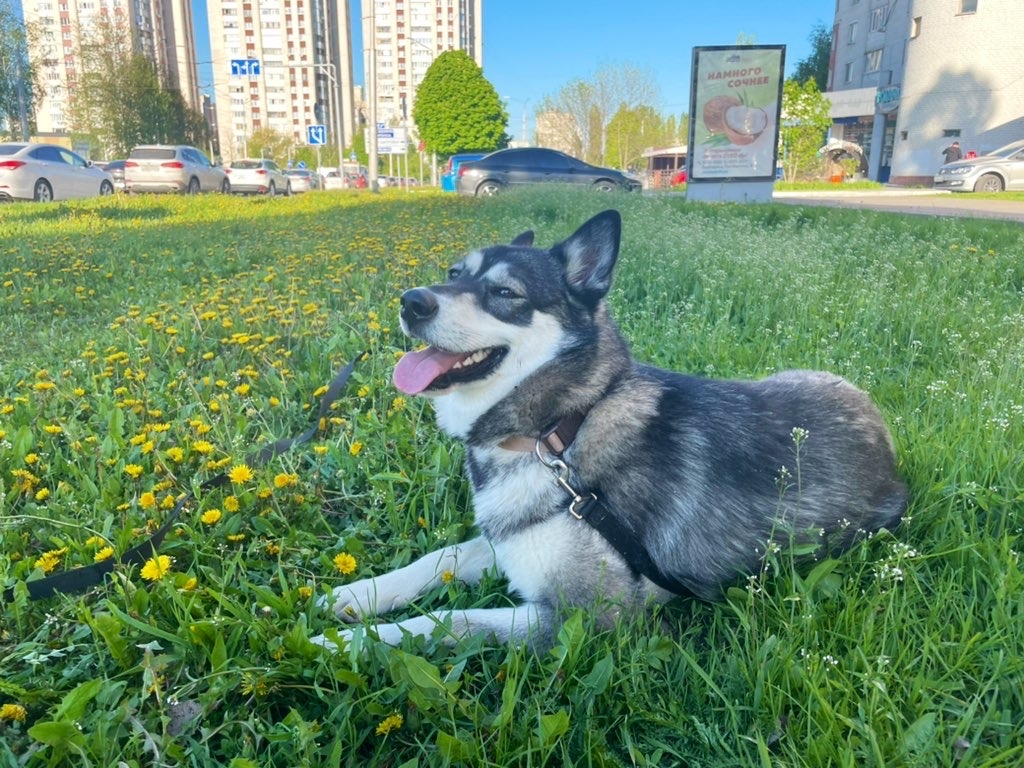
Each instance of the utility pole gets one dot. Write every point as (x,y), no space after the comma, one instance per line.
(371,87)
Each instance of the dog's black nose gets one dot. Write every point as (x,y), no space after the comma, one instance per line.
(418,304)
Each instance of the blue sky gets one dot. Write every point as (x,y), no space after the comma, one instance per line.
(534,47)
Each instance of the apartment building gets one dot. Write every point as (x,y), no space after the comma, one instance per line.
(908,77)
(401,39)
(305,70)
(160,29)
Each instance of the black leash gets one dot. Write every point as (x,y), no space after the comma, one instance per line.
(80,579)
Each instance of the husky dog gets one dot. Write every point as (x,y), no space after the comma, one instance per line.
(652,483)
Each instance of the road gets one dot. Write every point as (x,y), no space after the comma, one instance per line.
(921,202)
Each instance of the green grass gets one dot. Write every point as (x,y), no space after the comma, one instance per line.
(151,342)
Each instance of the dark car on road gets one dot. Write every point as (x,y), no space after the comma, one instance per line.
(531,165)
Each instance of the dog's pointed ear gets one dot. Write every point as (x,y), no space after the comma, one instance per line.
(524,240)
(590,254)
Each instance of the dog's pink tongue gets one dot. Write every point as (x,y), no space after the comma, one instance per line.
(416,370)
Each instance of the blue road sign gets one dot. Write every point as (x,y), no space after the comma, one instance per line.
(316,134)
(245,67)
(302,164)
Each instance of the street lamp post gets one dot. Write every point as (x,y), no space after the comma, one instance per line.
(433,155)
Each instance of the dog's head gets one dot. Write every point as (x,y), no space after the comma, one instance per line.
(506,311)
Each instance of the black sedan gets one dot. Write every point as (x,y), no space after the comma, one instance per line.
(530,165)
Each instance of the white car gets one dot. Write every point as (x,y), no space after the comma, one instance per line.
(305,180)
(45,172)
(258,176)
(172,168)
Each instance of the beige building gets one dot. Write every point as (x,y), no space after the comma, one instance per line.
(161,29)
(304,52)
(908,77)
(401,39)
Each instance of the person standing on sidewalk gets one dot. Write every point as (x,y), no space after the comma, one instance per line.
(952,153)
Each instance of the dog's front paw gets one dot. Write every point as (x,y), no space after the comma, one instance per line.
(355,638)
(366,597)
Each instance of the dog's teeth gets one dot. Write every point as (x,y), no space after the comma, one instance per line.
(473,359)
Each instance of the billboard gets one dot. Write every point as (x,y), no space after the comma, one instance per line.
(735,101)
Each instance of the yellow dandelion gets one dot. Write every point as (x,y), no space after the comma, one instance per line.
(234,538)
(104,554)
(389,724)
(231,503)
(50,560)
(355,448)
(447,577)
(202,447)
(285,480)
(42,494)
(240,473)
(156,568)
(14,712)
(273,548)
(147,447)
(53,429)
(168,502)
(305,592)
(134,471)
(190,584)
(363,391)
(31,458)
(345,563)
(320,450)
(211,516)
(147,500)
(175,454)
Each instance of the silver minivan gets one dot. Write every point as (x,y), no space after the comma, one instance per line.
(172,168)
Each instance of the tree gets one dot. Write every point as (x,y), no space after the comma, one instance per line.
(266,142)
(457,108)
(631,131)
(589,105)
(118,100)
(18,89)
(805,119)
(815,66)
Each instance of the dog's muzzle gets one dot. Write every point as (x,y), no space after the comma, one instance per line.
(417,306)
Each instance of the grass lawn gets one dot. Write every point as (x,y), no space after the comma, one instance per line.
(151,343)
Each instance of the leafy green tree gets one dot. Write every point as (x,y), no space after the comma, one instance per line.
(18,88)
(119,101)
(805,119)
(631,131)
(266,142)
(457,108)
(815,66)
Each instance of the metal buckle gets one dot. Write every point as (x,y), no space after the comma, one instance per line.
(561,472)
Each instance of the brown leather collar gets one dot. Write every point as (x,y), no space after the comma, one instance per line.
(557,439)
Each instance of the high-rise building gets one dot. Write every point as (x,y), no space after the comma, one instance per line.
(401,39)
(305,70)
(160,29)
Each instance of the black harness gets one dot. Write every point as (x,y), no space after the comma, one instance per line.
(591,507)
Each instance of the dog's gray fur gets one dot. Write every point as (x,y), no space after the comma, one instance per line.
(705,472)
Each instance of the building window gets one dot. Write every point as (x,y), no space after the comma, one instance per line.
(951,133)
(852,37)
(915,27)
(848,74)
(968,6)
(873,60)
(879,17)
(903,135)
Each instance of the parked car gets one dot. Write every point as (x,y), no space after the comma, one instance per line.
(305,180)
(258,176)
(996,171)
(45,172)
(451,168)
(116,170)
(334,180)
(530,165)
(172,168)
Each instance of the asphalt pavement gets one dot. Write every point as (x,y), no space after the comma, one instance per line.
(923,202)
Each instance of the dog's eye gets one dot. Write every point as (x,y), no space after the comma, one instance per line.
(503,292)
(454,272)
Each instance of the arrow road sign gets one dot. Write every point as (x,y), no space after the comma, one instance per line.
(316,135)
(245,67)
